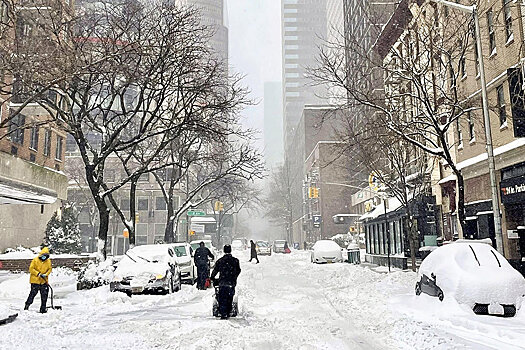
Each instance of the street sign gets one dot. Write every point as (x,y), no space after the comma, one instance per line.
(198,228)
(196,213)
(316,220)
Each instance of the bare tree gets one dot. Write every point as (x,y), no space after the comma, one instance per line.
(279,201)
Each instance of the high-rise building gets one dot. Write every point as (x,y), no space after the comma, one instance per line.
(215,15)
(303,31)
(273,123)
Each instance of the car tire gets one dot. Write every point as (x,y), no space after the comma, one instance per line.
(418,288)
(440,296)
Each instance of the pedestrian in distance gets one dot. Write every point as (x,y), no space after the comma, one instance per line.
(253,251)
(39,271)
(203,265)
(228,268)
(286,248)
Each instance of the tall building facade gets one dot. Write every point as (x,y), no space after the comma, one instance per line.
(215,15)
(273,124)
(303,31)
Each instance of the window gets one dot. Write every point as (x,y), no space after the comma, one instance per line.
(142,204)
(58,153)
(460,134)
(47,142)
(492,33)
(470,120)
(501,106)
(141,233)
(16,128)
(33,143)
(124,203)
(462,66)
(32,157)
(109,175)
(159,232)
(160,203)
(507,14)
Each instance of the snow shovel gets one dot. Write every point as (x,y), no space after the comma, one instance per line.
(52,297)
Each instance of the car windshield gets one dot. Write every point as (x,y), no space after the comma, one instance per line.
(279,243)
(262,244)
(180,251)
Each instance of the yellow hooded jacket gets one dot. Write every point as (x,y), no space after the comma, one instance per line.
(38,266)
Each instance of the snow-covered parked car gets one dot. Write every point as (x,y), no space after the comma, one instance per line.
(278,246)
(326,251)
(147,269)
(263,248)
(474,274)
(184,257)
(238,244)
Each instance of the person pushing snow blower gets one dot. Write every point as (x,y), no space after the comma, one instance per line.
(228,269)
(39,271)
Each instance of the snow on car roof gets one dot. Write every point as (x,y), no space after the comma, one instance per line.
(326,244)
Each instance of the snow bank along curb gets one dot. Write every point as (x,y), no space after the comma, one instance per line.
(74,263)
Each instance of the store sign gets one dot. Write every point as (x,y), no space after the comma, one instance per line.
(513,190)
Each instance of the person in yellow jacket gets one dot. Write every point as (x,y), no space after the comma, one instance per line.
(39,271)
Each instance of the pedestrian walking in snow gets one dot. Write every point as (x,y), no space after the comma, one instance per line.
(286,248)
(253,251)
(228,269)
(203,266)
(39,271)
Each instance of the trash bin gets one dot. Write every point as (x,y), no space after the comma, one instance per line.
(354,256)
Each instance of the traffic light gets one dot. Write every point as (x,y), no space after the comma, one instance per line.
(192,232)
(313,192)
(219,206)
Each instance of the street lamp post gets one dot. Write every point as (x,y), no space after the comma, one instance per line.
(488,133)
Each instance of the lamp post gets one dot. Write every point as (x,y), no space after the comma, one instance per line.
(486,117)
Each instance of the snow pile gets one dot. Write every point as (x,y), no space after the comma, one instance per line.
(6,311)
(96,274)
(20,253)
(474,273)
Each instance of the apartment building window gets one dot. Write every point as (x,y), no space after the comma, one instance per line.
(16,128)
(141,233)
(462,67)
(160,203)
(471,134)
(47,142)
(124,204)
(33,142)
(492,33)
(459,134)
(142,204)
(507,14)
(501,106)
(58,153)
(475,47)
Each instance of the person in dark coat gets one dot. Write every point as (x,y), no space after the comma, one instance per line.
(228,269)
(203,266)
(253,251)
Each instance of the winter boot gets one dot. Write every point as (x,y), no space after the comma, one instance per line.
(43,311)
(26,307)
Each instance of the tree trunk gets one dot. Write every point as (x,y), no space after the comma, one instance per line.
(103,226)
(170,219)
(461,202)
(132,213)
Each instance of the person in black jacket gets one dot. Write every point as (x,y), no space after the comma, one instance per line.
(253,252)
(203,267)
(228,269)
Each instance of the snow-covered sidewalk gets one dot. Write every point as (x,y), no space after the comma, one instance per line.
(285,303)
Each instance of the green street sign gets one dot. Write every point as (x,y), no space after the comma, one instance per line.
(196,213)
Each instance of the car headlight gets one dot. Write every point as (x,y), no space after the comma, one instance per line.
(159,277)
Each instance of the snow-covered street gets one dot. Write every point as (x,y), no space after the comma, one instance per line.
(285,303)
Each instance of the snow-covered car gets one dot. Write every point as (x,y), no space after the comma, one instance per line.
(326,251)
(278,246)
(238,244)
(184,257)
(263,248)
(147,269)
(474,274)
(207,243)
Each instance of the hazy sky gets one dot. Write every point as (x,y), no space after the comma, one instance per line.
(255,49)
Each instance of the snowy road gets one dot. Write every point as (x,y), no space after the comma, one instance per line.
(285,302)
